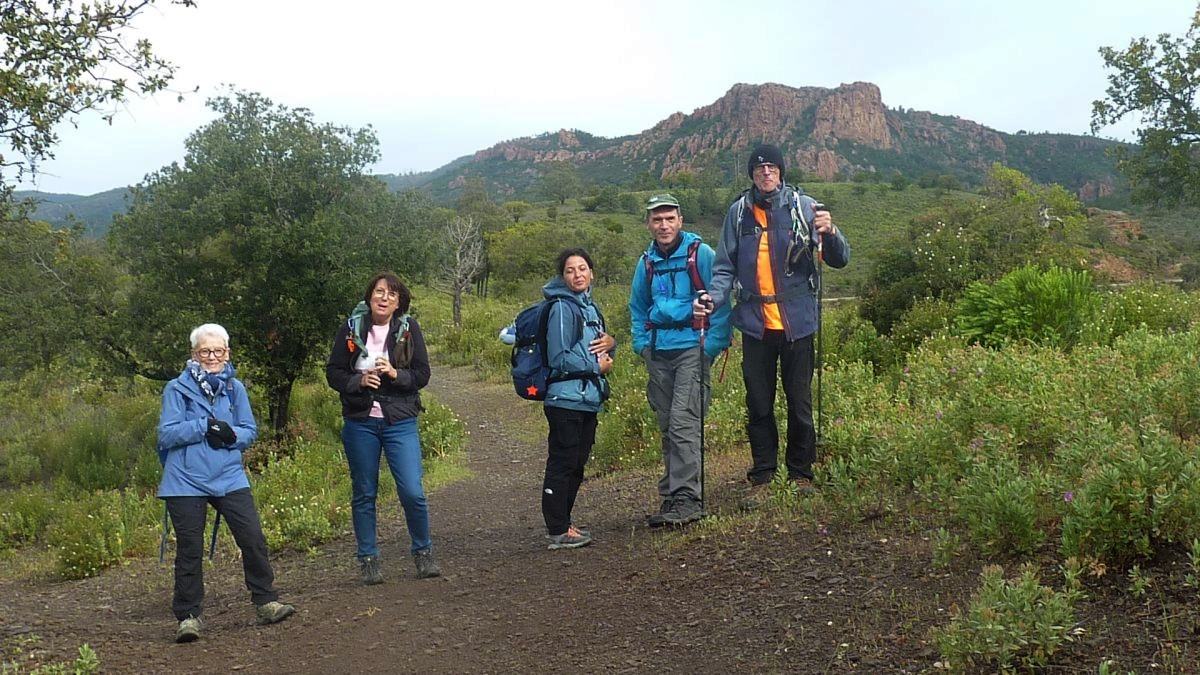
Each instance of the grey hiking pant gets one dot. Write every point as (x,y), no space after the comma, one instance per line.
(674,390)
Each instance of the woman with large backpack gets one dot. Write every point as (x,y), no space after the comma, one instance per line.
(378,365)
(579,353)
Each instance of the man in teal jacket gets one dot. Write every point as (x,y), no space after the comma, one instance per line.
(660,308)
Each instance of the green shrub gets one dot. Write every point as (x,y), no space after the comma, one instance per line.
(316,406)
(18,465)
(1049,306)
(96,530)
(846,337)
(24,515)
(926,318)
(442,433)
(1136,495)
(1009,625)
(304,497)
(627,431)
(998,501)
(1150,306)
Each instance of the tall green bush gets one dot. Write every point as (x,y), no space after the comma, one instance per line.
(1049,306)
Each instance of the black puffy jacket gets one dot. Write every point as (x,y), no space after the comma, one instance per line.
(399,398)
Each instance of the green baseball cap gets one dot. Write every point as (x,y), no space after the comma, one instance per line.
(658,201)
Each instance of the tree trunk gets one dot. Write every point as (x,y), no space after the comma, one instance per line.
(279,398)
(456,304)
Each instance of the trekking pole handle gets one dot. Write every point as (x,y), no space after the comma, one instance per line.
(818,207)
(701,324)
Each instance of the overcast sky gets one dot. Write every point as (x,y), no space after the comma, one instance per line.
(438,80)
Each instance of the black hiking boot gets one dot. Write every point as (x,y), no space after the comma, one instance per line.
(427,567)
(369,567)
(683,511)
(659,519)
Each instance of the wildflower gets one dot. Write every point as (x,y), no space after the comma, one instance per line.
(1068,496)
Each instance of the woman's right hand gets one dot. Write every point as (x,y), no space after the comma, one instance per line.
(369,380)
(606,363)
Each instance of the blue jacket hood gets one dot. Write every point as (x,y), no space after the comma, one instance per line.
(556,289)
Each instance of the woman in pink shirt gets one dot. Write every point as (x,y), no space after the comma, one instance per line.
(378,366)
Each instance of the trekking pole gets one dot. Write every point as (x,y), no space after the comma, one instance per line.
(818,207)
(702,325)
(212,546)
(162,546)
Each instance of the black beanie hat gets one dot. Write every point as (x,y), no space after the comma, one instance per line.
(765,154)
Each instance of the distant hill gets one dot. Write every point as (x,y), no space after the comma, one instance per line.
(825,133)
(94,212)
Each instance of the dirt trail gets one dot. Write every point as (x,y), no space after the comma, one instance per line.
(504,604)
(779,595)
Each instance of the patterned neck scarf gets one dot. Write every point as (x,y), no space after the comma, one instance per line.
(210,383)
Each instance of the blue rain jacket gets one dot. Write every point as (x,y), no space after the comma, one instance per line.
(191,467)
(667,302)
(567,349)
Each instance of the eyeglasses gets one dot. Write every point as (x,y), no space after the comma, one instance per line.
(218,353)
(764,169)
(386,294)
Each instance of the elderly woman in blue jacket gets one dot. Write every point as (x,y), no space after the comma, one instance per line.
(579,353)
(205,425)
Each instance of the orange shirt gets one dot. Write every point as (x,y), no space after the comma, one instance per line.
(766,280)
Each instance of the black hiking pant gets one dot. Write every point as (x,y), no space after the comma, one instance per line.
(569,443)
(188,515)
(795,360)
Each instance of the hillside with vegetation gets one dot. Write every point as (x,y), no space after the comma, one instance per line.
(1007,399)
(827,134)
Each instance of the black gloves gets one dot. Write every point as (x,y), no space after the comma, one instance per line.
(219,434)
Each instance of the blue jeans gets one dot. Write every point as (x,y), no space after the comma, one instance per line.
(365,440)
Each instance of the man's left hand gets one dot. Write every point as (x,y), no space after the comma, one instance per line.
(602,344)
(823,223)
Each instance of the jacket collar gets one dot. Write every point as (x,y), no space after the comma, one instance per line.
(680,250)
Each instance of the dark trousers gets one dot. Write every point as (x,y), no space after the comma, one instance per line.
(188,515)
(795,360)
(569,443)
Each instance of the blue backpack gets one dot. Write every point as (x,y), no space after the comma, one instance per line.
(530,368)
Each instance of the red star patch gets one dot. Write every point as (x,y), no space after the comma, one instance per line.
(531,390)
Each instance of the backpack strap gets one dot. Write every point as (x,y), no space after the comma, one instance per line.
(543,327)
(693,269)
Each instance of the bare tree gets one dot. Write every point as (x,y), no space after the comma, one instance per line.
(462,261)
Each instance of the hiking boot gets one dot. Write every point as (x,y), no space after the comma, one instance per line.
(803,485)
(580,529)
(189,630)
(659,519)
(273,612)
(572,538)
(369,567)
(757,497)
(682,512)
(427,567)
